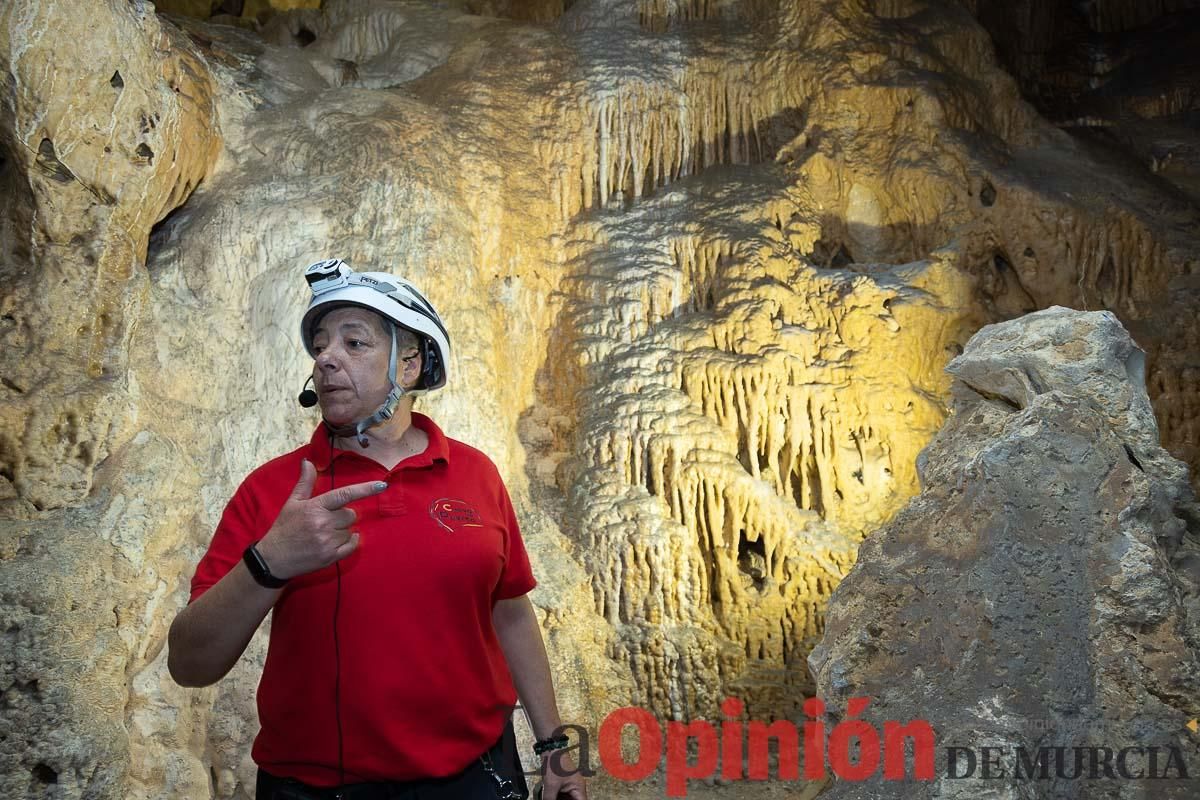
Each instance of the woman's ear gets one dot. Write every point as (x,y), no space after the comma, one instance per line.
(412,372)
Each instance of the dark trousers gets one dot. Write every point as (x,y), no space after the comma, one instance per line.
(473,783)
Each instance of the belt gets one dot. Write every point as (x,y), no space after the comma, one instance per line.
(508,781)
(271,787)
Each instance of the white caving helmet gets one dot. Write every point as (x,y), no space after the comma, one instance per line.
(334,284)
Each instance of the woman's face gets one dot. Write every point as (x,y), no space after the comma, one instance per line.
(350,369)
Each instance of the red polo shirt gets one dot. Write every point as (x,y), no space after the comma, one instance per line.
(424,687)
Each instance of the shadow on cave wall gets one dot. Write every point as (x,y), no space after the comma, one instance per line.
(1124,74)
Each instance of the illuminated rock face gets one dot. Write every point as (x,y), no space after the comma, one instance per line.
(745,429)
(703,264)
(99,143)
(1041,590)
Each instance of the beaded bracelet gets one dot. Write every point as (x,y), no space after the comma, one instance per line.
(543,746)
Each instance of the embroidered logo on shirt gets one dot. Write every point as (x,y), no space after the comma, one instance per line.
(454,514)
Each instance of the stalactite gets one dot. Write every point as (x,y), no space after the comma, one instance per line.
(657,15)
(638,134)
(721,476)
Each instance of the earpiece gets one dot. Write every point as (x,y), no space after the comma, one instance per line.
(307,398)
(431,367)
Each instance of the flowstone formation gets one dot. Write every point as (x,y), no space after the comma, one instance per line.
(1043,590)
(703,265)
(746,426)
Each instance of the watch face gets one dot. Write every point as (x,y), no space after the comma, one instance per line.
(259,569)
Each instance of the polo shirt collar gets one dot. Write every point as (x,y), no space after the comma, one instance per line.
(439,447)
(320,446)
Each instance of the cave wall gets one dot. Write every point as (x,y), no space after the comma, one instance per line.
(1120,74)
(1123,79)
(1045,496)
(703,264)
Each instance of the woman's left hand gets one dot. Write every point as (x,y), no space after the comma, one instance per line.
(560,778)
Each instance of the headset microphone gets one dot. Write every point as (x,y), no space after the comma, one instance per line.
(307,398)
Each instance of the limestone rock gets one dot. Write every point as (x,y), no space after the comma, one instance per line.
(1044,588)
(1119,73)
(99,144)
(102,148)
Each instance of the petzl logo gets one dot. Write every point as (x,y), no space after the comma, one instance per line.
(454,515)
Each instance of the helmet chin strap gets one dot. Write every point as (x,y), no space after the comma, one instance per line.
(385,411)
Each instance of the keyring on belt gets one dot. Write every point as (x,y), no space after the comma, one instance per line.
(505,789)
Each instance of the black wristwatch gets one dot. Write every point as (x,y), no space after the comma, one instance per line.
(259,569)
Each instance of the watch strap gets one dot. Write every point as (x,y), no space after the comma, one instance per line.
(259,569)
